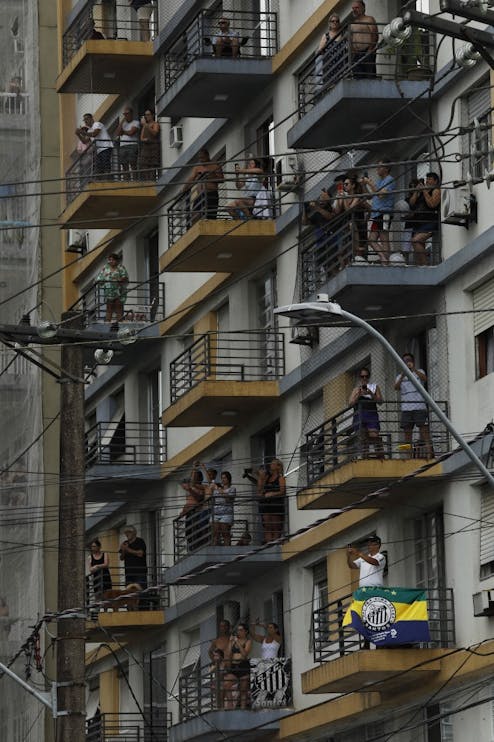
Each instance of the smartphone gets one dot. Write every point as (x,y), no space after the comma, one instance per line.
(339,188)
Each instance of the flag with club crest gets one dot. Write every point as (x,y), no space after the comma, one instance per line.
(388,616)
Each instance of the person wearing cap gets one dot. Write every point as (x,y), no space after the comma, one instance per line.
(371,562)
(133,554)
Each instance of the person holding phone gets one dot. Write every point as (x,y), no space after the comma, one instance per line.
(364,398)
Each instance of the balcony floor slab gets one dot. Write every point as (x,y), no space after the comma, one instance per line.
(222,569)
(215,88)
(346,484)
(337,118)
(249,725)
(212,403)
(366,670)
(220,245)
(106,66)
(110,205)
(123,624)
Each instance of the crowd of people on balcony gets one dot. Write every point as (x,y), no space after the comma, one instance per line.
(230,654)
(209,510)
(378,226)
(136,141)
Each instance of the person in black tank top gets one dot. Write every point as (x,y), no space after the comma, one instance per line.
(98,569)
(271,490)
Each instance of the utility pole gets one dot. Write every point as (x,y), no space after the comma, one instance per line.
(71,573)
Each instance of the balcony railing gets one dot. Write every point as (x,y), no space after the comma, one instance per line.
(184,211)
(325,251)
(228,356)
(212,688)
(108,20)
(87,168)
(150,600)
(196,529)
(257,39)
(414,60)
(336,442)
(129,727)
(144,303)
(14,104)
(125,443)
(333,640)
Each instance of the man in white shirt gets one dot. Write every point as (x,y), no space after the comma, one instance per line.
(370,564)
(414,409)
(128,133)
(98,133)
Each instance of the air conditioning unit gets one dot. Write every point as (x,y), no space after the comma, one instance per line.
(456,206)
(78,242)
(288,172)
(176,136)
(483,603)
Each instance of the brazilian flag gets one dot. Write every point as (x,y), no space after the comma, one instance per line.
(388,616)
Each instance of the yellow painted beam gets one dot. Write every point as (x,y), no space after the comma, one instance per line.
(317,717)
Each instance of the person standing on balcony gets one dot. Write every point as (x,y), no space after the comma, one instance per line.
(370,563)
(270,642)
(364,399)
(363,42)
(413,407)
(99,569)
(191,510)
(128,133)
(430,202)
(271,490)
(331,55)
(222,514)
(113,279)
(226,43)
(150,153)
(203,186)
(144,10)
(95,131)
(382,205)
(133,554)
(356,205)
(325,256)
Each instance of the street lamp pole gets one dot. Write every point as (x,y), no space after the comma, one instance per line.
(313,312)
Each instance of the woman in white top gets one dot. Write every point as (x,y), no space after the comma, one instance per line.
(270,642)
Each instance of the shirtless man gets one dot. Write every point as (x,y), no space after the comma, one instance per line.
(222,641)
(363,41)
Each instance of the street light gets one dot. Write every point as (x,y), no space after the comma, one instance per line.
(320,312)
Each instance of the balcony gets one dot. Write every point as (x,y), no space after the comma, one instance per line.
(346,666)
(340,470)
(123,459)
(209,702)
(103,51)
(197,80)
(197,242)
(129,727)
(224,377)
(107,200)
(331,258)
(124,613)
(197,557)
(344,102)
(14,110)
(144,305)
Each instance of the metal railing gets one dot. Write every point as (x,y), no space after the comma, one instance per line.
(128,727)
(228,356)
(333,640)
(122,598)
(88,167)
(337,442)
(144,303)
(256,37)
(14,104)
(188,209)
(125,443)
(344,240)
(109,20)
(210,688)
(414,60)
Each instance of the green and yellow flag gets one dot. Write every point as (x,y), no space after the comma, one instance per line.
(389,616)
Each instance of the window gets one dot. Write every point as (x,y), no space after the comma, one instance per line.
(486,534)
(477,142)
(483,328)
(319,601)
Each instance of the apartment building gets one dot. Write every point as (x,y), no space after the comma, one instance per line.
(215,376)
